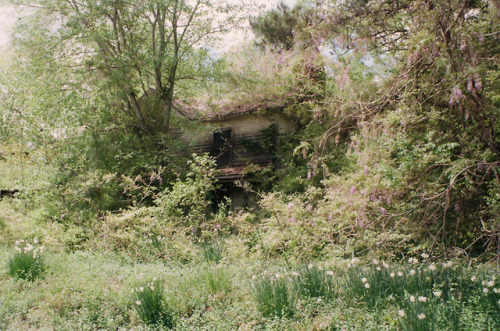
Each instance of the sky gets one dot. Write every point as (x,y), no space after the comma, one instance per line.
(8,17)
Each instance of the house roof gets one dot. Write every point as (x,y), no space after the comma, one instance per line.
(220,111)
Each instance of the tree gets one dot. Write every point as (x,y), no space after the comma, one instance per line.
(137,52)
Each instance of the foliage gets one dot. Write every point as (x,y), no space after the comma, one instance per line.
(188,200)
(28,262)
(151,306)
(313,282)
(213,251)
(274,296)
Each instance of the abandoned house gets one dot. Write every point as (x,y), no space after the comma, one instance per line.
(244,140)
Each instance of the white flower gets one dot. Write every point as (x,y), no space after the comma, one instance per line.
(329,273)
(437,293)
(28,248)
(390,297)
(132,291)
(421,316)
(496,290)
(278,275)
(385,265)
(294,273)
(367,285)
(354,260)
(432,267)
(412,299)
(425,255)
(412,260)
(35,241)
(473,278)
(422,299)
(490,283)
(254,277)
(400,274)
(319,300)
(364,280)
(447,264)
(141,289)
(310,266)
(152,288)
(349,265)
(378,268)
(401,313)
(138,303)
(412,272)
(485,290)
(392,274)
(154,279)
(375,261)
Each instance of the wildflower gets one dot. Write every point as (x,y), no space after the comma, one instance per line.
(310,266)
(132,291)
(412,272)
(425,255)
(412,299)
(447,264)
(378,268)
(294,273)
(392,274)
(421,316)
(432,267)
(375,261)
(278,275)
(35,241)
(28,248)
(354,260)
(496,290)
(329,273)
(422,299)
(437,293)
(367,285)
(138,303)
(254,277)
(141,289)
(390,297)
(383,211)
(400,274)
(401,313)
(352,190)
(385,265)
(490,283)
(364,280)
(473,278)
(319,300)
(412,260)
(152,288)
(485,290)
(154,279)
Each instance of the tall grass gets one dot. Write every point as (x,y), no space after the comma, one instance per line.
(151,306)
(274,296)
(27,262)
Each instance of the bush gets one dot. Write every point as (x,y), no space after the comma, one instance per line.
(151,306)
(274,297)
(27,263)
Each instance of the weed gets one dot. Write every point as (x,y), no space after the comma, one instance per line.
(151,306)
(27,262)
(274,297)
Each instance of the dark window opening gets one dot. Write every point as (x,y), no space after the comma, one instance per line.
(221,148)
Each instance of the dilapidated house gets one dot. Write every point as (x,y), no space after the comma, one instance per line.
(244,141)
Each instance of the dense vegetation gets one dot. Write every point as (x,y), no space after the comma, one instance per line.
(396,158)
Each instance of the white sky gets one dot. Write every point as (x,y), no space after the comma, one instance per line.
(8,17)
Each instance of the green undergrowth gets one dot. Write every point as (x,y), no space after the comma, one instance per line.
(99,290)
